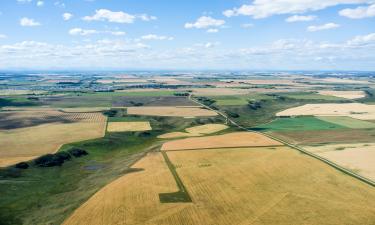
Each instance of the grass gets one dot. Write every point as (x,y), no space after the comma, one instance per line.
(348,122)
(238,99)
(182,194)
(298,123)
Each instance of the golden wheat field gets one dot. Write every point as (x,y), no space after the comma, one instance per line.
(173,111)
(31,141)
(131,199)
(196,131)
(344,94)
(232,186)
(128,126)
(354,110)
(359,157)
(235,139)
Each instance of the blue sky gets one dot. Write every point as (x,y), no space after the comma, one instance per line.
(194,34)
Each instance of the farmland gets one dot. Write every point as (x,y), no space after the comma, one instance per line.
(357,157)
(150,153)
(128,126)
(196,131)
(218,179)
(31,140)
(170,111)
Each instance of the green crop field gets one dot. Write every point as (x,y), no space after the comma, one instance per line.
(348,122)
(299,123)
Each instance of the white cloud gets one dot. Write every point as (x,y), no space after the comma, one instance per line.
(266,8)
(27,22)
(146,17)
(39,3)
(247,25)
(59,4)
(67,16)
(117,33)
(82,32)
(117,17)
(359,12)
(156,37)
(212,30)
(24,1)
(205,22)
(326,26)
(3,36)
(362,40)
(297,18)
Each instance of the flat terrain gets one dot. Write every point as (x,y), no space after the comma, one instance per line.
(45,132)
(344,94)
(196,131)
(170,111)
(239,183)
(359,157)
(354,110)
(348,122)
(128,126)
(312,137)
(236,139)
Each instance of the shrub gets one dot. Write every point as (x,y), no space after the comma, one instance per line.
(22,165)
(49,160)
(77,152)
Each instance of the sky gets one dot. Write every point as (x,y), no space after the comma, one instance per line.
(187,34)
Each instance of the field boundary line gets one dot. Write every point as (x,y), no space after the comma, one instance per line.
(218,148)
(330,163)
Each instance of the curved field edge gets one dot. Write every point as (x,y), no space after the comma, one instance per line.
(49,195)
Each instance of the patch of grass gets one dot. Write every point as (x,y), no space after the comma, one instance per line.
(182,194)
(298,123)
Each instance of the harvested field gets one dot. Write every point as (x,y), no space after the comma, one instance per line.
(344,94)
(128,126)
(219,91)
(312,137)
(126,101)
(27,135)
(83,110)
(7,92)
(358,157)
(170,111)
(354,110)
(263,81)
(36,116)
(348,122)
(340,81)
(241,184)
(196,131)
(236,139)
